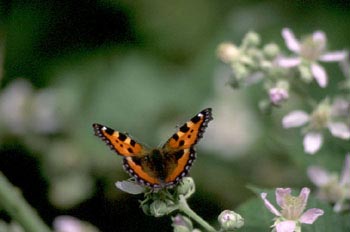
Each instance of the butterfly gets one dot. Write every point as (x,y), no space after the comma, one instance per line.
(162,167)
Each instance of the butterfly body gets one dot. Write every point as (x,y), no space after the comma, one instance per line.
(159,167)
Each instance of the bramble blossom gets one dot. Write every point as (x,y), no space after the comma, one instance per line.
(291,215)
(332,188)
(322,117)
(309,51)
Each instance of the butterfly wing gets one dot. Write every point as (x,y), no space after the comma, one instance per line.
(117,141)
(180,147)
(189,133)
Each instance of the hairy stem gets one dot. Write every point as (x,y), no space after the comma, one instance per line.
(16,206)
(183,206)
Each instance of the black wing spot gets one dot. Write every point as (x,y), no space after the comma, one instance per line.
(179,154)
(132,143)
(196,119)
(181,143)
(184,128)
(109,131)
(175,137)
(136,160)
(130,150)
(122,137)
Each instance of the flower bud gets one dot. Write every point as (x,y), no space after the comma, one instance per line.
(271,50)
(146,209)
(305,73)
(251,39)
(228,52)
(182,224)
(158,208)
(240,71)
(278,95)
(229,220)
(186,187)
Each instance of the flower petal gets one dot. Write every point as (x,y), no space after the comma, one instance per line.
(280,195)
(304,196)
(319,74)
(130,187)
(345,175)
(295,118)
(318,176)
(310,216)
(312,142)
(67,224)
(334,56)
(291,42)
(286,226)
(339,129)
(319,37)
(286,62)
(340,106)
(269,206)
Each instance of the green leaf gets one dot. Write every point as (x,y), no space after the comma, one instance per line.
(330,221)
(256,216)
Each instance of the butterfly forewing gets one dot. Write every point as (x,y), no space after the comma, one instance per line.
(189,133)
(117,141)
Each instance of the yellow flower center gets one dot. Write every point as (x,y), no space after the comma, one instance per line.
(293,207)
(311,49)
(320,117)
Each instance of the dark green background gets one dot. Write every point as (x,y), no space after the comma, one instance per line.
(142,67)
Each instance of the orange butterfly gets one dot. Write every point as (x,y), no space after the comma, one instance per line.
(159,167)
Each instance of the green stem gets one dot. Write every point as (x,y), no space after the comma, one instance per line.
(183,206)
(17,207)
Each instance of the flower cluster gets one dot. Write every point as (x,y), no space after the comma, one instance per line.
(249,64)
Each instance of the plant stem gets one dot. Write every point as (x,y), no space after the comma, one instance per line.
(13,202)
(183,206)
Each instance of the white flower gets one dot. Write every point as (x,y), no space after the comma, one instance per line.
(309,51)
(332,188)
(320,118)
(292,213)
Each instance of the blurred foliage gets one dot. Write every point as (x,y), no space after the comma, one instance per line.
(144,67)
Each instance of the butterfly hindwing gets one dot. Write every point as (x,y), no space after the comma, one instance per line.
(189,133)
(174,167)
(117,141)
(179,169)
(137,169)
